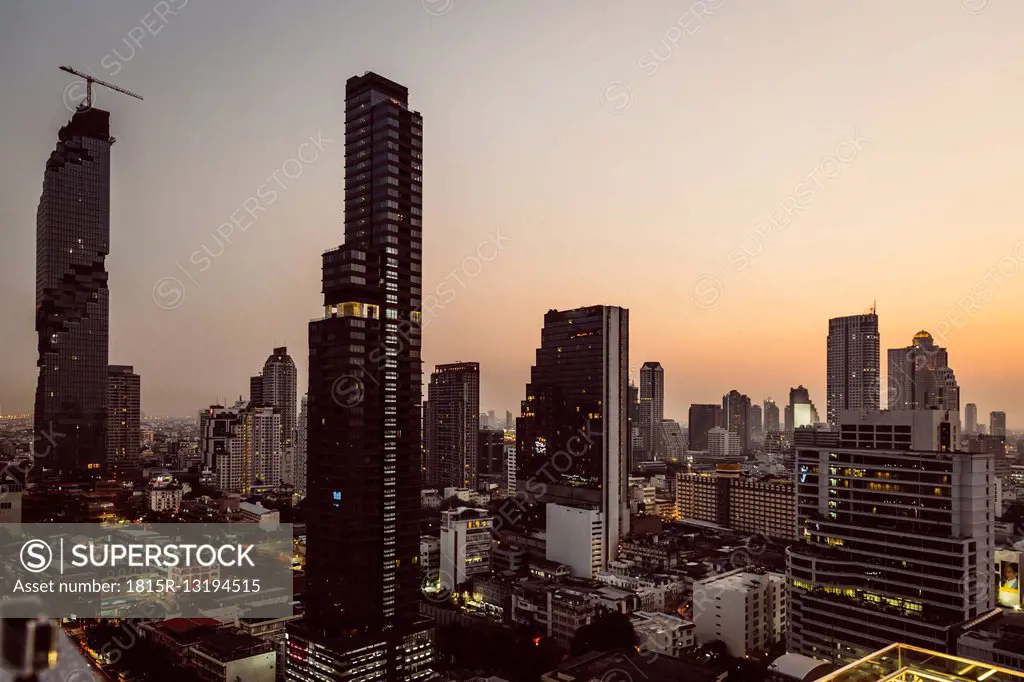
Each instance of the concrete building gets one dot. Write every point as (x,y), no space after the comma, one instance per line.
(736,412)
(301,431)
(123,415)
(997,638)
(723,443)
(801,410)
(970,419)
(671,439)
(997,424)
(574,538)
(703,418)
(745,505)
(897,534)
(743,609)
(164,496)
(222,656)
(663,634)
(465,545)
(452,425)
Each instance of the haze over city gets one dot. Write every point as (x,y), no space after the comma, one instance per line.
(609,155)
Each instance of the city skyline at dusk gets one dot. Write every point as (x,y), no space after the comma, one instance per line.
(691,166)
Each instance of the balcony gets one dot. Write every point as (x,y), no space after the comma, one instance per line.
(905,663)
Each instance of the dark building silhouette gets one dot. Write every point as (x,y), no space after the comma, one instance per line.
(490,456)
(736,412)
(256,389)
(575,422)
(853,377)
(123,415)
(72,302)
(652,409)
(453,406)
(703,418)
(362,553)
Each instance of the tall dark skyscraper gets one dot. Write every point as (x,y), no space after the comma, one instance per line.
(363,463)
(575,423)
(652,408)
(771,416)
(453,405)
(72,242)
(853,375)
(920,378)
(736,412)
(703,418)
(123,415)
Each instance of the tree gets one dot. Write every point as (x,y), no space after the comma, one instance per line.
(609,631)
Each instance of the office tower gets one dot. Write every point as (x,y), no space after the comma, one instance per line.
(256,389)
(920,377)
(509,422)
(723,443)
(636,442)
(970,419)
(278,389)
(736,412)
(897,534)
(756,427)
(997,424)
(771,417)
(703,418)
(652,407)
(575,415)
(492,419)
(123,414)
(454,403)
(465,545)
(363,463)
(300,449)
(800,411)
(72,299)
(853,365)
(490,453)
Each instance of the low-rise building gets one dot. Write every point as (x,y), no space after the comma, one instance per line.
(222,656)
(663,634)
(997,638)
(746,505)
(257,513)
(574,537)
(465,545)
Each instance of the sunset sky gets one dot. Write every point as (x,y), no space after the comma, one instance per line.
(626,153)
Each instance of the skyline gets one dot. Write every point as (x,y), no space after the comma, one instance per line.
(915,172)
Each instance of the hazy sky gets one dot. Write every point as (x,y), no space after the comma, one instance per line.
(626,153)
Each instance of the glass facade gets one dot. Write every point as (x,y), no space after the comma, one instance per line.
(72,302)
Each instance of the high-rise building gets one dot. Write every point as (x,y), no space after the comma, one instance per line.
(800,411)
(452,435)
(575,415)
(736,412)
(220,441)
(743,609)
(671,439)
(278,389)
(636,441)
(756,424)
(970,419)
(771,417)
(509,421)
(920,377)
(72,299)
(574,538)
(652,407)
(853,365)
(997,424)
(702,418)
(365,380)
(301,429)
(745,505)
(490,454)
(123,415)
(897,531)
(262,457)
(256,389)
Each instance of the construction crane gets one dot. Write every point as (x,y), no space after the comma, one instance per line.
(89,80)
